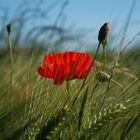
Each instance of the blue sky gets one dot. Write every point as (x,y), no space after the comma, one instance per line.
(93,13)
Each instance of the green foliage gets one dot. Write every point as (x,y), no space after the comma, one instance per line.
(33,108)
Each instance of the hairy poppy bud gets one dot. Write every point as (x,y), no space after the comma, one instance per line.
(9,28)
(102,76)
(103,33)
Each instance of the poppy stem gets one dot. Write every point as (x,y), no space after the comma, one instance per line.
(9,26)
(97,50)
(104,57)
(11,51)
(96,54)
(9,30)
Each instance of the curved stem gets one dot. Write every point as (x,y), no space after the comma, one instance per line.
(131,84)
(96,54)
(97,50)
(104,57)
(123,90)
(115,82)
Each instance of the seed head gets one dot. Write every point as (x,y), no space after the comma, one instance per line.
(102,76)
(9,28)
(103,33)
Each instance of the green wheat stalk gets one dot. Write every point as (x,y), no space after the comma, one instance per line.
(100,120)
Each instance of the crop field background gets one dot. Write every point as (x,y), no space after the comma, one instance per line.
(33,108)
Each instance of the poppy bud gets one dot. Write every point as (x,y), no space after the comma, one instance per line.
(103,33)
(9,28)
(102,76)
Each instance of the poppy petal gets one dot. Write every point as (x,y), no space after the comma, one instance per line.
(66,66)
(45,71)
(59,74)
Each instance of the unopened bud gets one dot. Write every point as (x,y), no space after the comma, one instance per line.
(102,76)
(9,28)
(103,33)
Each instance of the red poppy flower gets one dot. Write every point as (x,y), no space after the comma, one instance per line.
(66,66)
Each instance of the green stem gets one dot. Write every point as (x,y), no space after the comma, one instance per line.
(97,50)
(96,54)
(11,74)
(11,51)
(104,57)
